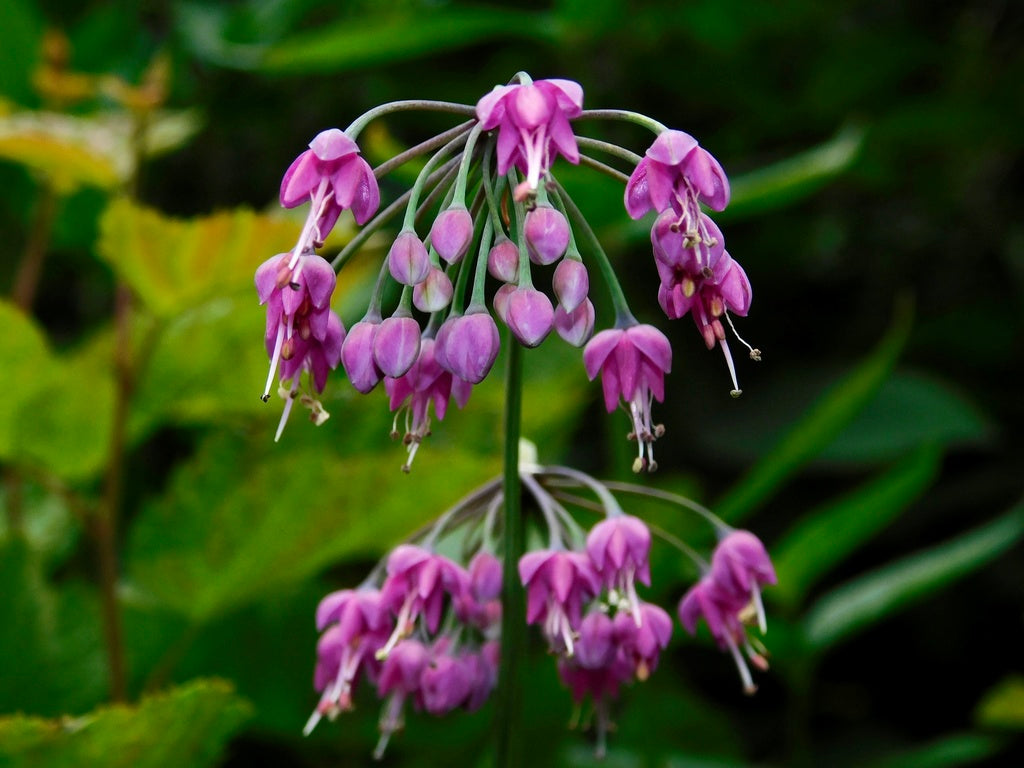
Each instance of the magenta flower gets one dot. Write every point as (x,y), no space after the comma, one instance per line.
(641,640)
(447,681)
(396,344)
(740,565)
(533,126)
(452,233)
(547,234)
(416,583)
(423,385)
(678,174)
(335,178)
(632,363)
(357,355)
(575,327)
(619,547)
(480,604)
(557,583)
(398,679)
(503,260)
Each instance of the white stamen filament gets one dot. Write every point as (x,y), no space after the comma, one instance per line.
(748,682)
(274,358)
(755,354)
(288,403)
(317,199)
(762,620)
(736,391)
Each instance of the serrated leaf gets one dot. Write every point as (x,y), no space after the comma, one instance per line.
(823,538)
(188,725)
(349,43)
(873,596)
(1003,706)
(241,520)
(175,264)
(819,426)
(97,151)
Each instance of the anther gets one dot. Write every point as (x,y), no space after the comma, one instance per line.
(755,355)
(659,430)
(735,393)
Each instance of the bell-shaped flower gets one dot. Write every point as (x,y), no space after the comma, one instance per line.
(533,126)
(676,173)
(529,315)
(619,547)
(557,583)
(632,363)
(641,640)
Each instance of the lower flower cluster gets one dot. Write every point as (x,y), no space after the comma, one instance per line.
(424,628)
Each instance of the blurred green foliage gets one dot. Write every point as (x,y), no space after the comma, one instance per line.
(872,149)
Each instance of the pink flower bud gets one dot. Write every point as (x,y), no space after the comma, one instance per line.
(503,261)
(357,356)
(500,301)
(407,260)
(452,233)
(547,234)
(434,293)
(577,326)
(529,316)
(570,283)
(396,345)
(471,346)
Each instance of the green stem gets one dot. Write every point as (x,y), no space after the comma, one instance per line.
(513,619)
(607,170)
(610,149)
(423,147)
(476,301)
(623,316)
(357,125)
(624,115)
(421,180)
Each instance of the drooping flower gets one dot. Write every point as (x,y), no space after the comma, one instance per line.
(533,126)
(529,315)
(740,565)
(425,383)
(399,679)
(641,639)
(557,584)
(632,362)
(676,173)
(619,547)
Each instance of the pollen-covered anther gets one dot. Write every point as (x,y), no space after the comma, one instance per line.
(689,286)
(659,430)
(755,355)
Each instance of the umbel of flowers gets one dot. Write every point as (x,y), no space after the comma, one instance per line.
(488,202)
(423,630)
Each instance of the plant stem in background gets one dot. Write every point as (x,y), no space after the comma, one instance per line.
(27,280)
(513,625)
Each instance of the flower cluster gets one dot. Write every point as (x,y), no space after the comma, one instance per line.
(487,204)
(425,630)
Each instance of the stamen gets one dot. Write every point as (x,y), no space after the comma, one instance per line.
(273,362)
(288,403)
(736,391)
(748,682)
(755,353)
(762,620)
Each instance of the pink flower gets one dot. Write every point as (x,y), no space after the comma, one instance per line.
(557,583)
(533,126)
(632,363)
(641,640)
(618,547)
(423,385)
(678,174)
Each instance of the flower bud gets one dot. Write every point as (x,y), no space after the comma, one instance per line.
(434,293)
(529,316)
(547,234)
(500,301)
(577,326)
(452,233)
(470,347)
(503,261)
(357,356)
(570,283)
(396,345)
(407,260)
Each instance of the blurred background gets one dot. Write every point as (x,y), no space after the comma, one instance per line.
(158,549)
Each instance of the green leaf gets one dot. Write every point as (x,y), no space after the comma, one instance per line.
(873,596)
(50,638)
(782,183)
(21,27)
(823,538)
(1003,706)
(95,151)
(241,520)
(175,264)
(910,409)
(28,367)
(819,427)
(946,752)
(349,43)
(184,726)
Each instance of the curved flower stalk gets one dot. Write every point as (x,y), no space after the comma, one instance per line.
(424,630)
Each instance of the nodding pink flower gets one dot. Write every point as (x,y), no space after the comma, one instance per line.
(396,345)
(547,234)
(480,604)
(416,583)
(676,173)
(740,565)
(357,626)
(632,363)
(332,177)
(483,667)
(302,333)
(619,547)
(533,126)
(727,608)
(447,681)
(641,641)
(575,327)
(467,346)
(529,315)
(557,584)
(452,233)
(398,679)
(357,355)
(700,278)
(425,383)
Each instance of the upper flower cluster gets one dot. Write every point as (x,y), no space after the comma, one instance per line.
(487,204)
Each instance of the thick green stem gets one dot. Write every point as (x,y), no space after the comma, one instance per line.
(513,617)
